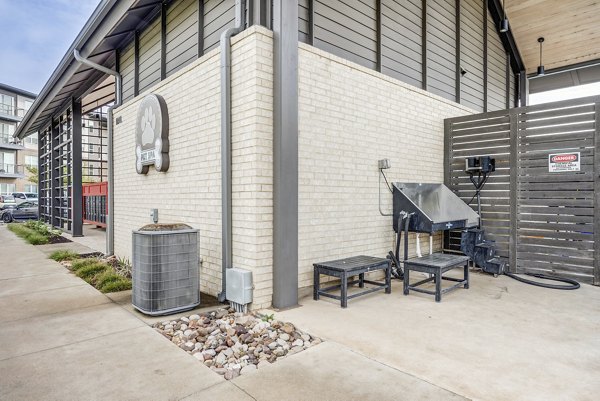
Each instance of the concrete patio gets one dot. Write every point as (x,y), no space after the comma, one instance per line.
(60,339)
(93,237)
(499,340)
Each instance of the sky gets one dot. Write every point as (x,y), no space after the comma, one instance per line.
(36,34)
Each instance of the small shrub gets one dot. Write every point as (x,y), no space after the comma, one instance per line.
(28,234)
(63,254)
(19,229)
(107,276)
(81,263)
(121,284)
(268,318)
(88,272)
(100,274)
(37,239)
(123,267)
(37,226)
(42,228)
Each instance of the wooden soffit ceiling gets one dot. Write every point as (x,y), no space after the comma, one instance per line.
(571,29)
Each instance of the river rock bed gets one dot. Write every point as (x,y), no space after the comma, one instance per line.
(233,343)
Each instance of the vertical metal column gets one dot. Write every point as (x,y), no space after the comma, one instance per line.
(513,189)
(285,153)
(200,28)
(54,173)
(42,167)
(485,56)
(457,68)
(163,40)
(136,64)
(597,196)
(378,34)
(424,45)
(311,22)
(76,168)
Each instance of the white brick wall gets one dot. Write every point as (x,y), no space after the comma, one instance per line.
(349,118)
(190,191)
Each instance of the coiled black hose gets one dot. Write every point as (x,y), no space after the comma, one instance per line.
(573,285)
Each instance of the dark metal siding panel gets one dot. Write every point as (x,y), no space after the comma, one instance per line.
(218,16)
(303,27)
(401,40)
(182,34)
(347,29)
(149,73)
(471,54)
(127,70)
(496,69)
(441,47)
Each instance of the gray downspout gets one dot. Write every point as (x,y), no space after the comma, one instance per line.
(110,227)
(226,224)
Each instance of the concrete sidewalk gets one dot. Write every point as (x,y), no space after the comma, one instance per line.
(60,339)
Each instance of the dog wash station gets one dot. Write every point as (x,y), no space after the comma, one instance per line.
(426,208)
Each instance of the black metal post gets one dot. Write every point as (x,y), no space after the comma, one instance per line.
(457,67)
(424,44)
(485,56)
(406,225)
(200,28)
(163,40)
(54,173)
(378,34)
(76,168)
(311,22)
(136,64)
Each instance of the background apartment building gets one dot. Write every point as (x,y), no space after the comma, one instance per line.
(18,158)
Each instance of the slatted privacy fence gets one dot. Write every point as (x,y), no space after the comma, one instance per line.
(542,220)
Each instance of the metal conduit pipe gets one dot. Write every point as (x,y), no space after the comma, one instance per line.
(110,227)
(226,223)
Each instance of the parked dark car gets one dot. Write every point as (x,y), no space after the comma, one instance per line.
(24,211)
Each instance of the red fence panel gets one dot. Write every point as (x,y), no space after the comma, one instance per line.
(95,203)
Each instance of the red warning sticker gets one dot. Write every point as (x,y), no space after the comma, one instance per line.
(562,162)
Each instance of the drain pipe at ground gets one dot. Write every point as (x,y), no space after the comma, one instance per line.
(110,227)
(226,223)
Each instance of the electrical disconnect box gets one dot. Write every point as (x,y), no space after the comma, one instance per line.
(481,164)
(239,286)
(384,164)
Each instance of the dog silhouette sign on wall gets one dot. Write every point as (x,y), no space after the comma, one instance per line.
(152,135)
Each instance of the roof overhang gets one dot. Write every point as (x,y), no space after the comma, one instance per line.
(569,28)
(112,24)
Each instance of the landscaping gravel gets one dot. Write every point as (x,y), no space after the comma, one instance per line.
(233,343)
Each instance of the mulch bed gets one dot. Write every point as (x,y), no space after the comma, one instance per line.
(58,239)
